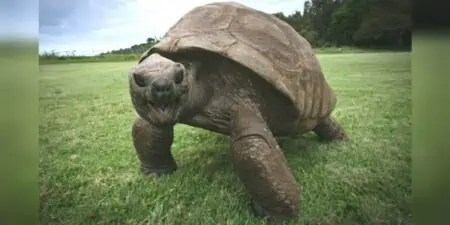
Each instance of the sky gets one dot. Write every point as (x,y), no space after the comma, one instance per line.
(93,26)
(19,18)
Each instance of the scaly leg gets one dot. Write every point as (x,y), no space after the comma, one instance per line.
(329,129)
(152,145)
(262,167)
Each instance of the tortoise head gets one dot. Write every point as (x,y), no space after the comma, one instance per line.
(159,89)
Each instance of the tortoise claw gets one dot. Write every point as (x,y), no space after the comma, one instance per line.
(156,171)
(258,210)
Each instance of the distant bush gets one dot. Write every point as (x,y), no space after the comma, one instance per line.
(52,59)
(127,54)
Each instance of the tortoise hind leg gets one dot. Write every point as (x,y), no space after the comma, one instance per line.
(329,130)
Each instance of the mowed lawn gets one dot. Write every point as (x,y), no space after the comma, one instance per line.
(89,171)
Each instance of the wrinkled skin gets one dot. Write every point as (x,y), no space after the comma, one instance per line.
(206,90)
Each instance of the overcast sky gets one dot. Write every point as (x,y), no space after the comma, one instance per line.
(94,26)
(18,18)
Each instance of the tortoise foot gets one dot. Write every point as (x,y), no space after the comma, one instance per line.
(157,171)
(258,210)
(330,130)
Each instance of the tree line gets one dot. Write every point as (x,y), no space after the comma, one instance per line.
(362,23)
(334,23)
(136,49)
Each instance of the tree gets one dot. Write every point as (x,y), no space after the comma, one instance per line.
(344,22)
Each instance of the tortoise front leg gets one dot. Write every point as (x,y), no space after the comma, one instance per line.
(262,168)
(152,145)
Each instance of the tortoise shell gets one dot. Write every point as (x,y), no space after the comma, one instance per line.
(261,42)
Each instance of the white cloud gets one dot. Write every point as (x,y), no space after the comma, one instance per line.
(134,21)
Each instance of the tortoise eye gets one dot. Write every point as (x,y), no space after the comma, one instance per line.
(179,77)
(139,79)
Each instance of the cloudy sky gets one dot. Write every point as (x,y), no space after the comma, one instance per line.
(94,26)
(18,18)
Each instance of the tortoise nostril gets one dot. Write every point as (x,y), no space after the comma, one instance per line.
(162,86)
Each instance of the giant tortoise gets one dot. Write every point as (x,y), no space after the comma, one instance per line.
(237,71)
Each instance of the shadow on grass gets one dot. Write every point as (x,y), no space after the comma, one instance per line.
(213,155)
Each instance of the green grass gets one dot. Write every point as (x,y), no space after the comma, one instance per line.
(89,171)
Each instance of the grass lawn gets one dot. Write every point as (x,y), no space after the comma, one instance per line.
(89,172)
